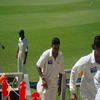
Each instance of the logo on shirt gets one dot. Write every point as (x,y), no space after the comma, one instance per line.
(19,42)
(49,61)
(94,69)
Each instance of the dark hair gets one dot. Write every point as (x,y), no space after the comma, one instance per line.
(55,41)
(96,42)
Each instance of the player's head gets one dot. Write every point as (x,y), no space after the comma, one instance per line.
(21,32)
(96,42)
(55,45)
(55,41)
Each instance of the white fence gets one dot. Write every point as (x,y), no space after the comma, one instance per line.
(21,77)
(66,86)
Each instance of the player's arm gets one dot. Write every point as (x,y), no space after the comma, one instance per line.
(2,46)
(40,64)
(61,72)
(73,77)
(78,67)
(60,80)
(44,82)
(25,57)
(26,52)
(17,53)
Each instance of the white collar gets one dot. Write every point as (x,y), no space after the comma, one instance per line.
(93,57)
(23,38)
(51,53)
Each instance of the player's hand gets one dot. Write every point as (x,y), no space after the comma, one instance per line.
(17,55)
(73,97)
(3,47)
(59,90)
(24,62)
(44,83)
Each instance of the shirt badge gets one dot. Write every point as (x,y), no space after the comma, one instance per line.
(94,69)
(49,61)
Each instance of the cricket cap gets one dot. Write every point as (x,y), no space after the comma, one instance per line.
(21,32)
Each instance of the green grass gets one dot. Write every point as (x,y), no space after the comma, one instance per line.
(75,22)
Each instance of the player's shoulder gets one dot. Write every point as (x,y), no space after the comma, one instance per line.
(19,38)
(46,52)
(86,59)
(25,40)
(61,54)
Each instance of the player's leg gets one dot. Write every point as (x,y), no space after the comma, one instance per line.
(85,95)
(24,68)
(53,93)
(19,65)
(45,95)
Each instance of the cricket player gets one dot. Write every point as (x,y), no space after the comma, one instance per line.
(2,46)
(97,84)
(49,66)
(22,52)
(89,65)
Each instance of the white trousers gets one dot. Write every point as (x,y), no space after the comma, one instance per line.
(87,98)
(47,94)
(21,66)
(86,95)
(98,95)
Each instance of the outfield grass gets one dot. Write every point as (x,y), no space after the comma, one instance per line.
(75,22)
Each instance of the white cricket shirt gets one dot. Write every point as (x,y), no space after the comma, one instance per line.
(97,80)
(97,84)
(51,67)
(89,67)
(23,45)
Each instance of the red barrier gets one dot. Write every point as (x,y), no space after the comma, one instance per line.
(22,90)
(35,95)
(4,86)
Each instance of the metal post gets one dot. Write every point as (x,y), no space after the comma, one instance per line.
(4,97)
(63,87)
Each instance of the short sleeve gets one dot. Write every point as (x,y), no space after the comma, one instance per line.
(41,61)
